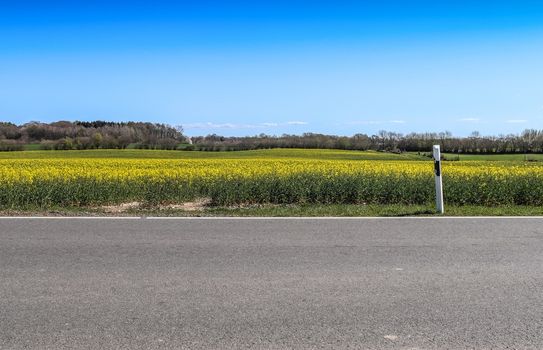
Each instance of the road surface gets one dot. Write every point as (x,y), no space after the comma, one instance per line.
(407,283)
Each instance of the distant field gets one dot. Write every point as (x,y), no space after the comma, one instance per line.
(158,154)
(322,154)
(492,157)
(32,147)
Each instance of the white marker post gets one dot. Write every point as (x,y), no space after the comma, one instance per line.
(439,183)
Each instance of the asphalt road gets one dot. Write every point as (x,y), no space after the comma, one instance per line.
(271,284)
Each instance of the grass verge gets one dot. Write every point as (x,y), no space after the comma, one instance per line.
(289,210)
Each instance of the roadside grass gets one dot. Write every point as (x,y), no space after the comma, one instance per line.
(336,210)
(349,210)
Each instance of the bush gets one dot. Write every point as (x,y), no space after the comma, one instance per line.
(11,145)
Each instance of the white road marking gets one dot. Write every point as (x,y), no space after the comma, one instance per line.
(334,217)
(268,217)
(391,337)
(70,217)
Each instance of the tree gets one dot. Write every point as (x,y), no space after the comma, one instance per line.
(97,139)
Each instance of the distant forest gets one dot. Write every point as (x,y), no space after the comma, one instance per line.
(529,141)
(64,135)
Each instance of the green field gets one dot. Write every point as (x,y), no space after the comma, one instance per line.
(292,153)
(494,157)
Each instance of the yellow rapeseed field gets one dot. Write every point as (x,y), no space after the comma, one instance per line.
(92,181)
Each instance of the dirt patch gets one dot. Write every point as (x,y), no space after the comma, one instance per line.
(198,205)
(121,208)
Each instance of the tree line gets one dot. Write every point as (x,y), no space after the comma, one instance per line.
(529,141)
(65,135)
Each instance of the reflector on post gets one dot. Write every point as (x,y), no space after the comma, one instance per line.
(439,183)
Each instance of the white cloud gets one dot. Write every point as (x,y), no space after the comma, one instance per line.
(209,125)
(516,121)
(469,120)
(375,122)
(215,126)
(363,122)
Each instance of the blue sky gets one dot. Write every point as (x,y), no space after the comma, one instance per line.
(244,68)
